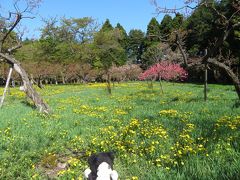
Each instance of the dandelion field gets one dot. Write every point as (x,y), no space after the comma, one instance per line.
(155,135)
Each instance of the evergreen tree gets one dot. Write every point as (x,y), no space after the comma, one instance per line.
(135,44)
(200,27)
(177,21)
(123,31)
(109,49)
(107,26)
(123,36)
(109,52)
(166,25)
(153,32)
(233,41)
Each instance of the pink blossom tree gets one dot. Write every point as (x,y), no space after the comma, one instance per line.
(170,71)
(164,71)
(128,72)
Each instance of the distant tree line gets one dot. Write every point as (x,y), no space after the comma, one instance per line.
(78,50)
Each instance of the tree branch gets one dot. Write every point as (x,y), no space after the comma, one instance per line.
(159,37)
(166,10)
(2,40)
(9,59)
(211,5)
(10,50)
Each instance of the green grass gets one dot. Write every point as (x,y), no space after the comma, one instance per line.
(175,135)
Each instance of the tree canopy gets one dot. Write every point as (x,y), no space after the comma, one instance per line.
(81,40)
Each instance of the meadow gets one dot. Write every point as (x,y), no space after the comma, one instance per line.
(155,135)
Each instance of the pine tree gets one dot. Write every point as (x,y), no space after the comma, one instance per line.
(135,44)
(153,32)
(123,36)
(166,25)
(177,21)
(107,26)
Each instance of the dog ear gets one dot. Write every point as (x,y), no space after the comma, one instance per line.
(92,159)
(111,155)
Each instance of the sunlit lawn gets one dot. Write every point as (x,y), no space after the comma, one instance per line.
(174,135)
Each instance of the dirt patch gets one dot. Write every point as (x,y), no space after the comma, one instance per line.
(52,164)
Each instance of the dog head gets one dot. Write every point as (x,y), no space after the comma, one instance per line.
(101,166)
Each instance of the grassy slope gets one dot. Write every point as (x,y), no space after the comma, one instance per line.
(175,135)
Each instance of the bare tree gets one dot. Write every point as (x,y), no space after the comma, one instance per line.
(7,27)
(228,24)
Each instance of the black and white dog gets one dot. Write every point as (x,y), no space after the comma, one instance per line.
(101,167)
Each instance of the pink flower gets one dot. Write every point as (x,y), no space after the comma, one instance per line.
(164,70)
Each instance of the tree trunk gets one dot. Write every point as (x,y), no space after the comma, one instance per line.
(184,55)
(39,83)
(28,88)
(6,86)
(63,78)
(229,72)
(160,82)
(109,83)
(113,82)
(56,81)
(151,84)
(205,82)
(13,83)
(31,79)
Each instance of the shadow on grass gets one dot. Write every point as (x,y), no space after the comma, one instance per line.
(195,99)
(236,104)
(28,104)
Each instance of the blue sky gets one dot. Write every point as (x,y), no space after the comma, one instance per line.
(131,14)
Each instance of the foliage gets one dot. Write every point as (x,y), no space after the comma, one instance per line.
(205,26)
(125,72)
(166,25)
(109,50)
(123,36)
(152,55)
(135,44)
(107,26)
(200,27)
(153,32)
(177,21)
(62,43)
(79,41)
(166,71)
